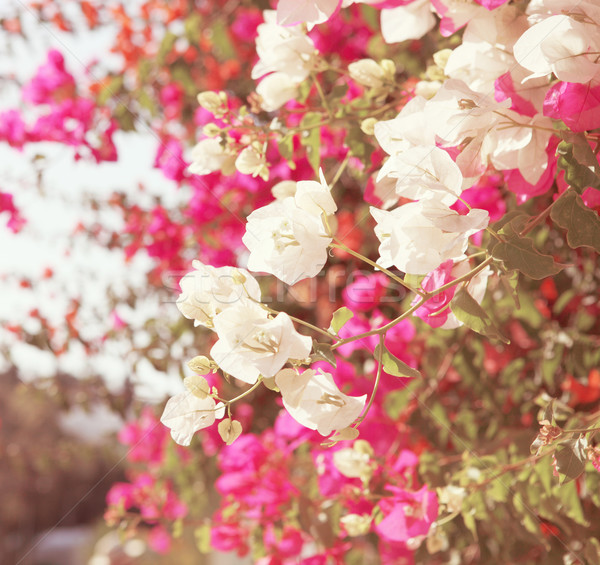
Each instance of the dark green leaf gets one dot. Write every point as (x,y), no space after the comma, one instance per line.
(323,352)
(592,551)
(519,253)
(469,312)
(581,223)
(571,458)
(577,159)
(393,366)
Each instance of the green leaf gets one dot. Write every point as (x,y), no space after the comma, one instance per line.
(393,366)
(570,459)
(340,317)
(286,148)
(592,551)
(577,159)
(323,352)
(469,520)
(510,282)
(469,312)
(166,46)
(581,223)
(396,401)
(519,218)
(519,253)
(202,535)
(193,27)
(570,500)
(311,139)
(337,92)
(358,143)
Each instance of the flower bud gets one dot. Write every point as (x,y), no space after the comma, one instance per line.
(356,524)
(284,189)
(197,385)
(368,126)
(229,430)
(367,72)
(211,130)
(214,102)
(441,58)
(251,162)
(201,365)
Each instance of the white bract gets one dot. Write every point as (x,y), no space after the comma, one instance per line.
(424,172)
(288,238)
(372,74)
(485,52)
(275,90)
(560,45)
(313,400)
(283,49)
(412,21)
(210,155)
(292,12)
(252,344)
(208,290)
(252,162)
(186,413)
(417,237)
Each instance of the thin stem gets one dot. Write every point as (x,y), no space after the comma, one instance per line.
(343,247)
(465,277)
(580,430)
(299,321)
(341,169)
(375,384)
(246,393)
(321,94)
(424,298)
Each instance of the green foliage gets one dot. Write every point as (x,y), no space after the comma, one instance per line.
(519,253)
(581,223)
(340,317)
(311,138)
(394,366)
(578,161)
(468,311)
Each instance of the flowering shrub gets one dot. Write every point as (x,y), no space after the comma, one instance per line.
(395,209)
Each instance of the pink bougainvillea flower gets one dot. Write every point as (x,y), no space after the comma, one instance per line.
(576,104)
(408,514)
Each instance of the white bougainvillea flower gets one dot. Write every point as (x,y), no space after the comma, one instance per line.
(283,49)
(311,12)
(560,45)
(210,155)
(208,290)
(424,172)
(288,237)
(419,236)
(406,129)
(252,344)
(315,197)
(313,399)
(186,413)
(252,162)
(515,146)
(372,74)
(486,49)
(412,21)
(275,90)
